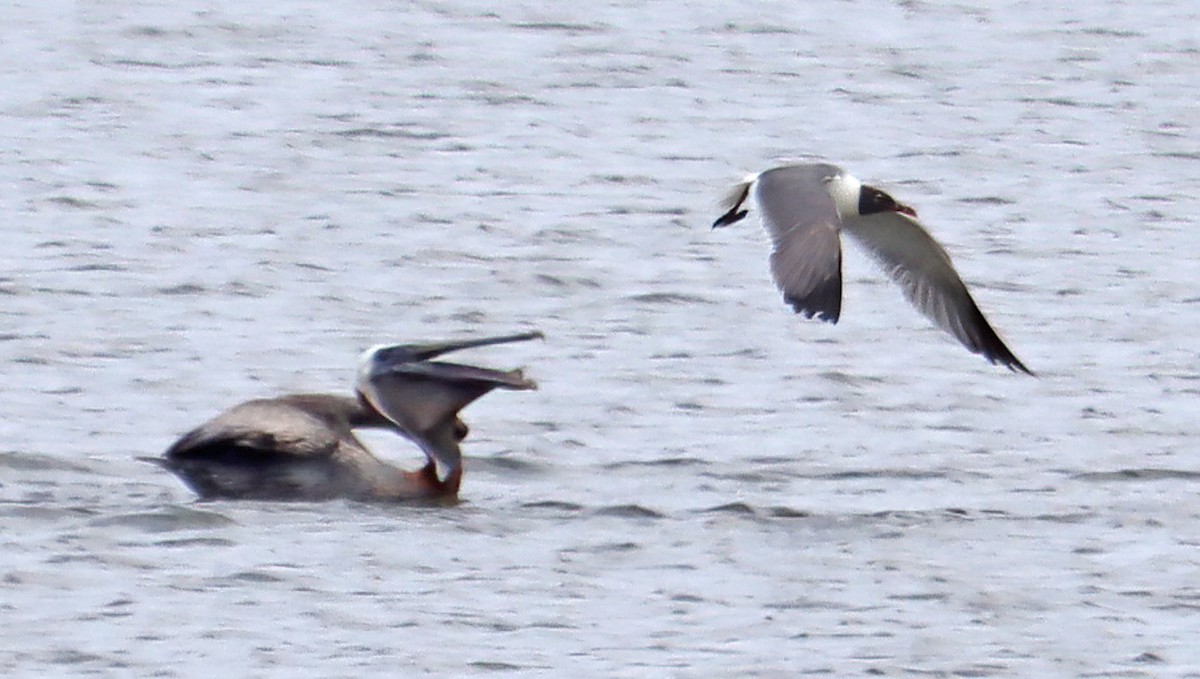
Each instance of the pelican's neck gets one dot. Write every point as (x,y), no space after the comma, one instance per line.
(424,484)
(363,414)
(845,190)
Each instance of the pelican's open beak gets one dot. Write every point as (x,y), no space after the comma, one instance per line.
(424,352)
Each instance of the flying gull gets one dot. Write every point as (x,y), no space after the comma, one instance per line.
(806,207)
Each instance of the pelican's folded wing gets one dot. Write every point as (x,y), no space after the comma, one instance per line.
(269,427)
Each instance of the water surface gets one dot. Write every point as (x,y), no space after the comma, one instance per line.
(207,204)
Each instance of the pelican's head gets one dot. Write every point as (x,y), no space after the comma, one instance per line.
(376,360)
(412,404)
(423,397)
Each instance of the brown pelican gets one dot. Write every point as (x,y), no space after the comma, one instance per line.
(806,207)
(302,447)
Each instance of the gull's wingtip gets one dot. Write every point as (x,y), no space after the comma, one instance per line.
(1000,354)
(733,200)
(738,192)
(1018,367)
(732,217)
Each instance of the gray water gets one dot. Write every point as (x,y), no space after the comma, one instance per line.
(209,202)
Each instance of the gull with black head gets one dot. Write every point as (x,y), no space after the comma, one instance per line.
(806,207)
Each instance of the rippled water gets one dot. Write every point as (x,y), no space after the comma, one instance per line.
(209,203)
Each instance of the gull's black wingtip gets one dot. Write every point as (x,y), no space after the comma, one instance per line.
(733,201)
(982,339)
(732,217)
(999,354)
(827,316)
(1017,366)
(825,304)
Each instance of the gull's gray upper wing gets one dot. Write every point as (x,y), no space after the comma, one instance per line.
(801,218)
(921,266)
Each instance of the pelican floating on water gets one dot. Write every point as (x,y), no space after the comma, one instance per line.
(302,447)
(806,208)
